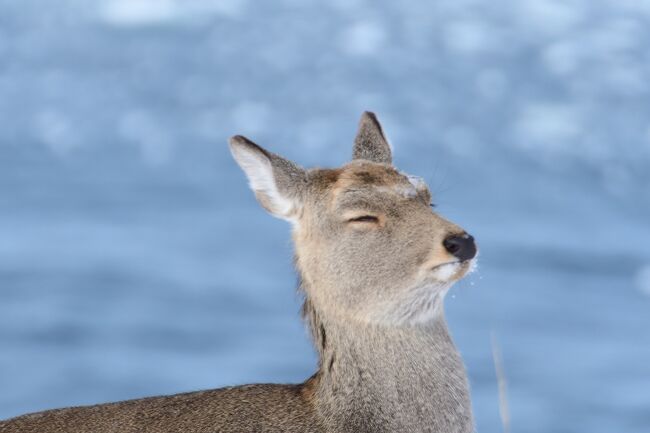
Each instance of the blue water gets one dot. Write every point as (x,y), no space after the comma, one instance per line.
(134,261)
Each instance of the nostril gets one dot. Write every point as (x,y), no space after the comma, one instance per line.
(461,246)
(451,245)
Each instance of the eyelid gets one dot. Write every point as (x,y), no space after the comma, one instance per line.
(365,218)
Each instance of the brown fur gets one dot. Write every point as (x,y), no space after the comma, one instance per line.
(252,408)
(374,272)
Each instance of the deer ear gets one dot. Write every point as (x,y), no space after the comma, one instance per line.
(277,183)
(370,142)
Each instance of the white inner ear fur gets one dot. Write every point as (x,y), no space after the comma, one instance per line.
(259,172)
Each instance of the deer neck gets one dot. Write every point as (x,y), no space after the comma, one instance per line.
(375,378)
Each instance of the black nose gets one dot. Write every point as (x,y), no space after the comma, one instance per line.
(461,246)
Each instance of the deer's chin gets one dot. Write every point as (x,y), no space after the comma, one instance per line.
(452,271)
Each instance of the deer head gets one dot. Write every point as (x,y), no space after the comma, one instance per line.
(368,245)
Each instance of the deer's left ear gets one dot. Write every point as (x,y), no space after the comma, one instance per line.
(277,183)
(371,143)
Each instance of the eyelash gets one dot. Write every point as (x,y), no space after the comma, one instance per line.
(374,219)
(365,219)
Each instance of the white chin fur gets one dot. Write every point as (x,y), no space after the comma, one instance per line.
(420,305)
(445,272)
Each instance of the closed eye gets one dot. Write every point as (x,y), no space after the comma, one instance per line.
(364,219)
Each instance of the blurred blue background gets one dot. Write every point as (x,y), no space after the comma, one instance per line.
(134,261)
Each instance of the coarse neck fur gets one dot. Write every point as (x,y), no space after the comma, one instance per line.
(375,378)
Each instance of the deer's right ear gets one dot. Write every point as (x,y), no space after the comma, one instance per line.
(370,142)
(277,183)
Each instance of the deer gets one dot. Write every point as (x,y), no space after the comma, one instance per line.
(374,262)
